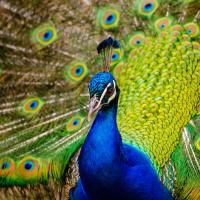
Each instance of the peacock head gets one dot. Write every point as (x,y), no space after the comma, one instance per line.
(103,89)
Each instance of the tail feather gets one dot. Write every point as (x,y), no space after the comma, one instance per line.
(186,160)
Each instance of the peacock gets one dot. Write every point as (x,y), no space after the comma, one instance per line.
(47,58)
(110,169)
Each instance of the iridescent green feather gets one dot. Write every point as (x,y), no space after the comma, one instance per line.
(186,159)
(160,91)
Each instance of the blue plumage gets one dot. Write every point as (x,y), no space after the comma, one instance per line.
(108,168)
(99,82)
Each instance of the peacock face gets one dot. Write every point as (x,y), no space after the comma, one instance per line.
(102,89)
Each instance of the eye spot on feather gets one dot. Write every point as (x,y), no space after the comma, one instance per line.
(44,35)
(192,29)
(116,57)
(74,123)
(162,23)
(7,166)
(31,105)
(28,165)
(162,26)
(28,168)
(47,35)
(136,40)
(79,71)
(147,7)
(108,18)
(76,71)
(34,104)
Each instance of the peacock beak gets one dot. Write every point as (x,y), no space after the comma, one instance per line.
(94,105)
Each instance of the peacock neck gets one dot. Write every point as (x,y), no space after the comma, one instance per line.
(105,131)
(102,146)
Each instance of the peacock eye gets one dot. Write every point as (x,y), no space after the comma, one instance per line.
(110,90)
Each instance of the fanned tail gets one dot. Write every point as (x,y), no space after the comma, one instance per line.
(47,56)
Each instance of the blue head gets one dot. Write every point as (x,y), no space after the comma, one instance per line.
(103,89)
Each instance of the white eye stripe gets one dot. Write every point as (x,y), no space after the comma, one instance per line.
(114,94)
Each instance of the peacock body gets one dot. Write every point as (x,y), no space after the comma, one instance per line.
(47,57)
